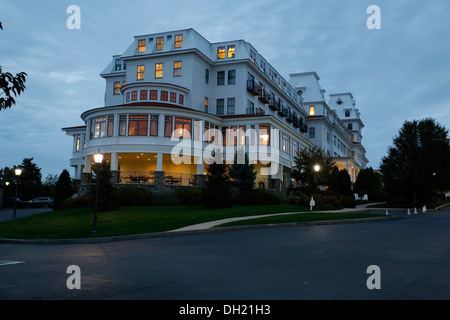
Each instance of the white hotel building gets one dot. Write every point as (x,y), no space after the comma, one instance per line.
(178,83)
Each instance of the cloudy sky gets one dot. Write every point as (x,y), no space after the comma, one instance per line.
(399,72)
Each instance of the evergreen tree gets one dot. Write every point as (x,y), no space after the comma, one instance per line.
(63,190)
(216,192)
(418,163)
(106,191)
(243,175)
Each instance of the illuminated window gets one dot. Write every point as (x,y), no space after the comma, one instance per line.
(77,145)
(137,125)
(177,68)
(221,53)
(311,111)
(231,50)
(168,126)
(173,97)
(144,94)
(140,72)
(158,70)
(116,87)
(141,46)
(122,125)
(159,43)
(133,95)
(110,126)
(206,104)
(178,41)
(153,94)
(154,125)
(264,135)
(183,128)
(98,128)
(164,96)
(242,135)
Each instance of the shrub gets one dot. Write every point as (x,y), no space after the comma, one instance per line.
(133,196)
(348,202)
(80,201)
(327,202)
(298,198)
(188,195)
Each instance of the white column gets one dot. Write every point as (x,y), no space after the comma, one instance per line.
(114,162)
(87,167)
(159,162)
(161,125)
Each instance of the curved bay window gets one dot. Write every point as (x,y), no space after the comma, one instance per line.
(183,128)
(98,127)
(264,135)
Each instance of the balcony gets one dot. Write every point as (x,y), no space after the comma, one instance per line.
(272,104)
(252,87)
(264,96)
(290,116)
(303,127)
(282,110)
(296,121)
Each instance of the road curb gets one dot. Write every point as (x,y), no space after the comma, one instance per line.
(177,233)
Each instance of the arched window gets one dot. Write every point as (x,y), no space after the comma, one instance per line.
(350,126)
(347,113)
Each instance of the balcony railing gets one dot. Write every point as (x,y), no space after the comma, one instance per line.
(264,96)
(282,110)
(145,177)
(296,121)
(252,87)
(303,127)
(272,104)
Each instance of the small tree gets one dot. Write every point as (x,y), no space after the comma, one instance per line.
(243,175)
(106,191)
(216,192)
(63,189)
(303,169)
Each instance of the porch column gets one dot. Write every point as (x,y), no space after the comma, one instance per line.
(161,125)
(114,168)
(159,162)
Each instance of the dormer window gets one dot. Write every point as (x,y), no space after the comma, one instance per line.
(339,101)
(350,127)
(117,65)
(178,41)
(231,50)
(221,53)
(312,110)
(141,46)
(347,113)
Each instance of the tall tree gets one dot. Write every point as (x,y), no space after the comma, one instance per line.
(10,86)
(243,175)
(63,189)
(304,163)
(418,163)
(216,192)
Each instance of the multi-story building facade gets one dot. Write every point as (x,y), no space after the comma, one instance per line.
(177,86)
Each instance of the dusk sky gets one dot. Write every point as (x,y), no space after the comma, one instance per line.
(396,73)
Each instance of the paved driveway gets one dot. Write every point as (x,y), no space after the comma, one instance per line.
(290,263)
(7,213)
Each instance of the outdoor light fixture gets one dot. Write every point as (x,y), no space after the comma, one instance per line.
(316,168)
(17,172)
(98,159)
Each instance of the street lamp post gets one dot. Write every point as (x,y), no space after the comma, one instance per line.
(317,169)
(17,173)
(98,158)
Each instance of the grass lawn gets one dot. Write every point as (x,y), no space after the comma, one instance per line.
(77,223)
(300,217)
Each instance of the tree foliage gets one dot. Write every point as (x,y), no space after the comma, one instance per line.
(243,175)
(10,86)
(418,163)
(303,169)
(216,192)
(63,189)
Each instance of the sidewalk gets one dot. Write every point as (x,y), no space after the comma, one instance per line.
(6,214)
(211,224)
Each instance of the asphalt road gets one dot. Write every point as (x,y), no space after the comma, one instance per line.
(288,263)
